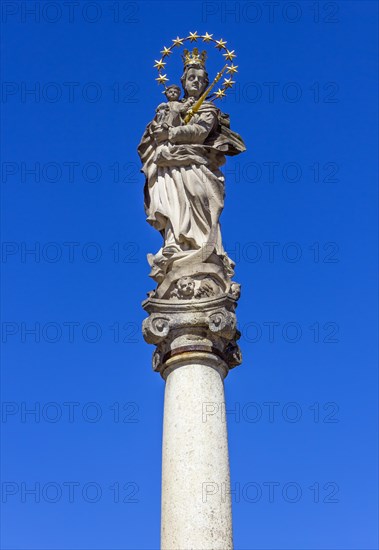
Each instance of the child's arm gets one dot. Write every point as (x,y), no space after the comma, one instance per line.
(161,106)
(186,105)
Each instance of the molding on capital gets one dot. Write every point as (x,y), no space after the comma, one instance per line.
(180,326)
(185,358)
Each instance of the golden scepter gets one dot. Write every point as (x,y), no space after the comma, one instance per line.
(193,110)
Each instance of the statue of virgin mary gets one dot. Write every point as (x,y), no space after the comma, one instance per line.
(184,189)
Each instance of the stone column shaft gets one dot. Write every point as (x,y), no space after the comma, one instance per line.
(195,461)
(196,346)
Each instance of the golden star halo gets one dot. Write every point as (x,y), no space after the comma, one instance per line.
(232,69)
(166,51)
(193,36)
(229,55)
(159,64)
(220,44)
(207,37)
(178,41)
(162,79)
(228,82)
(220,93)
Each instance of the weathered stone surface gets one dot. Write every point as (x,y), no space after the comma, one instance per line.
(191,313)
(196,507)
(180,325)
(185,188)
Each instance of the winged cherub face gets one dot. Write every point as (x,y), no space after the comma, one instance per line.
(186,286)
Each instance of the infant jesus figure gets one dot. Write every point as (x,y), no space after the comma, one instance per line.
(170,113)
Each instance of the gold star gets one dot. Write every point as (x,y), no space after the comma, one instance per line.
(220,44)
(229,55)
(220,93)
(193,36)
(228,82)
(178,41)
(166,51)
(159,64)
(162,79)
(207,37)
(232,69)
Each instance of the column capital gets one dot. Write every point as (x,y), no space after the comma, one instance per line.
(181,326)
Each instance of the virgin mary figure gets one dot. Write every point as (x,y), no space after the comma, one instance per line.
(184,187)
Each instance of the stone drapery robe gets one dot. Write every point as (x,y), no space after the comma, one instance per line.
(184,189)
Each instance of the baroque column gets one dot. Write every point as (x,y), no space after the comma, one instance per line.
(196,347)
(191,313)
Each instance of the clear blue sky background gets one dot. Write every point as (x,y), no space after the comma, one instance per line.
(306,183)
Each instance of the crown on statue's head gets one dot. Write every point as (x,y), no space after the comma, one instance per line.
(194,58)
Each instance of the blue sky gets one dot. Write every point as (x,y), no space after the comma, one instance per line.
(299,221)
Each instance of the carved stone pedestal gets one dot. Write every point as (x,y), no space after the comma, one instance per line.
(207,325)
(196,346)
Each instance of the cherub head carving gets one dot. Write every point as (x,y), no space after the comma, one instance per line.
(186,287)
